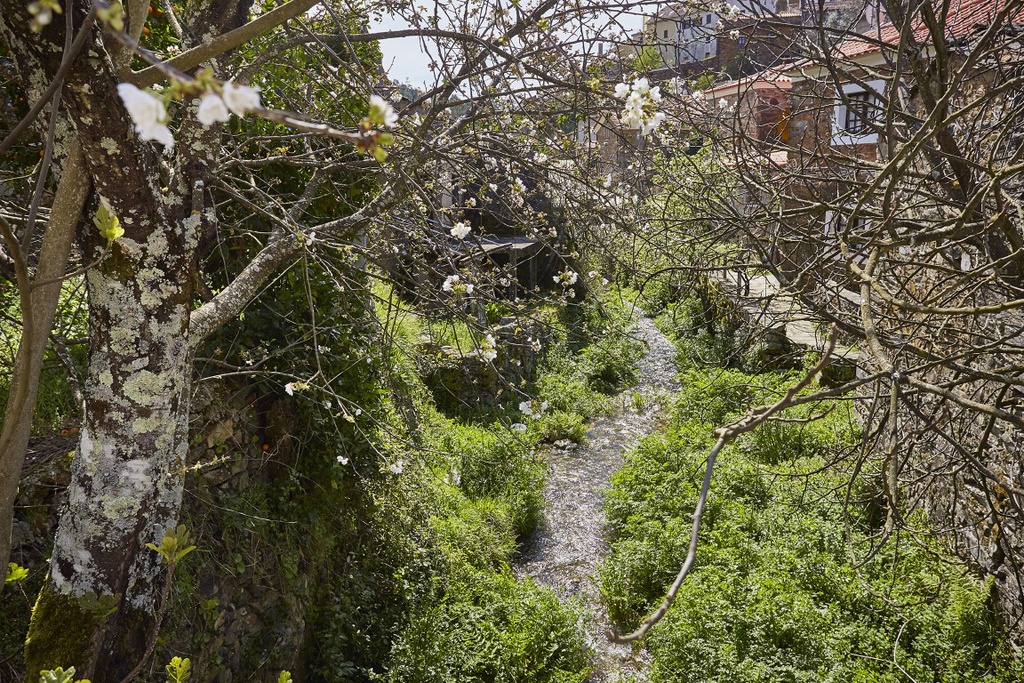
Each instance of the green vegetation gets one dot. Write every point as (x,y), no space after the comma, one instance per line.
(789,584)
(388,534)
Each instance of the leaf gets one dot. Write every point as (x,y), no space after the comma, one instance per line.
(113,15)
(107,223)
(99,605)
(15,573)
(174,546)
(58,675)
(285,677)
(179,669)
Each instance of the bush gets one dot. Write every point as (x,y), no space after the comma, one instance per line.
(774,595)
(495,629)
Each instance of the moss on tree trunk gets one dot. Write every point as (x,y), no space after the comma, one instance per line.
(61,634)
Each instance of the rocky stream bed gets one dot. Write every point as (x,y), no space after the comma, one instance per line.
(566,550)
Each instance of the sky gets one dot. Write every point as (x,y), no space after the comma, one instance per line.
(405,61)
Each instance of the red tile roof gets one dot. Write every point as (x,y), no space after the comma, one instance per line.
(963,18)
(774,76)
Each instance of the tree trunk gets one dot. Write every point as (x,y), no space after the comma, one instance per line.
(53,259)
(127,477)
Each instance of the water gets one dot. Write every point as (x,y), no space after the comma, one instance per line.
(568,546)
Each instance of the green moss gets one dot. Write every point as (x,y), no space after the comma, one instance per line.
(60,633)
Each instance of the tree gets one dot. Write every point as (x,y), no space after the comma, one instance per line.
(888,205)
(138,218)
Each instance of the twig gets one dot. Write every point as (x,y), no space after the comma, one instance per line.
(726,434)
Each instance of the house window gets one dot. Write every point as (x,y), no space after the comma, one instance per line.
(857,112)
(742,41)
(838,223)
(666,33)
(856,107)
(707,20)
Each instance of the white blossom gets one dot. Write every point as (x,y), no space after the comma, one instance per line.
(381,112)
(397,467)
(342,460)
(460,230)
(212,109)
(240,98)
(289,388)
(533,409)
(639,110)
(454,284)
(489,348)
(148,114)
(734,34)
(535,345)
(567,278)
(517,427)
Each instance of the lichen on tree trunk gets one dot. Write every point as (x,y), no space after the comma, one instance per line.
(127,477)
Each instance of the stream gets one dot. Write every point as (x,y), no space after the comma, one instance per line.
(566,549)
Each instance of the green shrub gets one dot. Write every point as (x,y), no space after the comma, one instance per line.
(558,425)
(495,629)
(774,595)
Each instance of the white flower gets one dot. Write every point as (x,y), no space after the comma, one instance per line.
(454,478)
(455,285)
(607,181)
(535,345)
(240,98)
(212,109)
(540,157)
(641,86)
(148,114)
(622,90)
(471,202)
(342,460)
(567,278)
(489,348)
(517,427)
(397,467)
(381,112)
(734,34)
(289,388)
(460,230)
(592,274)
(532,409)
(652,123)
(723,103)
